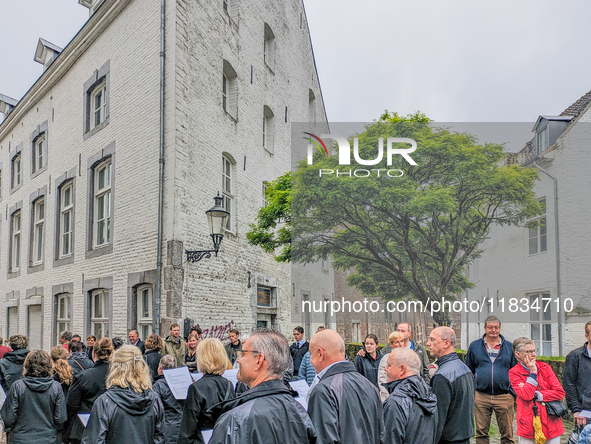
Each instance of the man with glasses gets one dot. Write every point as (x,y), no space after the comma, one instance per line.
(453,384)
(490,358)
(267,413)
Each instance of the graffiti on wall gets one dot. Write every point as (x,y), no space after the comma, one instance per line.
(220,332)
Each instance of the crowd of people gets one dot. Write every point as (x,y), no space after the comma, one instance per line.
(106,391)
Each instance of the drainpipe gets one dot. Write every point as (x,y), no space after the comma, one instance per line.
(160,173)
(556,235)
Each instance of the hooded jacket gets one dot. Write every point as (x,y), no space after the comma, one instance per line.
(176,349)
(410,412)
(11,367)
(548,385)
(85,388)
(203,394)
(266,414)
(346,408)
(173,411)
(453,384)
(368,366)
(491,378)
(122,416)
(79,362)
(34,411)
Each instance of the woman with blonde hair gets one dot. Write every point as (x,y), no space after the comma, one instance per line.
(211,389)
(62,370)
(35,408)
(396,340)
(129,412)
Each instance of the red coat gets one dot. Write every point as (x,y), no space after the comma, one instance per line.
(551,390)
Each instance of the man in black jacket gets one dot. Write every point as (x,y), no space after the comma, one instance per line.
(267,413)
(410,412)
(453,384)
(298,349)
(134,339)
(11,365)
(344,406)
(577,378)
(490,358)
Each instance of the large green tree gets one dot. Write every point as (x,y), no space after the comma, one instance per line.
(409,236)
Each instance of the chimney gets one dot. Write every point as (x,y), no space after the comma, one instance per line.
(46,53)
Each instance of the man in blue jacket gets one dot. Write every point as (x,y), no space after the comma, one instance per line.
(490,359)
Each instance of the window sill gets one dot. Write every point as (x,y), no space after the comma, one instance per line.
(269,68)
(36,268)
(100,251)
(12,190)
(63,261)
(96,129)
(537,254)
(234,119)
(36,173)
(14,274)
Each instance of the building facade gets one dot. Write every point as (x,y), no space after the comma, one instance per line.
(535,279)
(144,117)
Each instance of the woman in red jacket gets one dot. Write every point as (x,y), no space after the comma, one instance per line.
(530,379)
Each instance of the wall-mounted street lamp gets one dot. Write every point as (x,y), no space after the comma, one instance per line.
(216,218)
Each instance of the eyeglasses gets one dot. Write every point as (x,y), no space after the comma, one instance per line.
(493,327)
(240,352)
(530,352)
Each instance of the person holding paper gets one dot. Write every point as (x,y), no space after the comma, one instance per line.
(129,412)
(345,407)
(268,412)
(35,408)
(86,387)
(208,391)
(173,408)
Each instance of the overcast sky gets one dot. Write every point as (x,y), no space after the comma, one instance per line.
(455,60)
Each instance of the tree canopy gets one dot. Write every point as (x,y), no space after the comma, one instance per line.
(410,236)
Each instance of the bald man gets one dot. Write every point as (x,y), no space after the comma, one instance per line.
(344,406)
(453,384)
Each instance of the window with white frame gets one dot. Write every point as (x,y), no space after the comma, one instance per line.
(16,241)
(227,190)
(144,311)
(540,315)
(542,139)
(37,154)
(62,315)
(538,236)
(38,231)
(225,86)
(268,123)
(269,47)
(98,105)
(66,214)
(99,318)
(16,171)
(265,199)
(229,90)
(102,204)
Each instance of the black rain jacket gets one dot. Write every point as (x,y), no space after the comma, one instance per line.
(346,408)
(11,367)
(152,358)
(577,379)
(122,416)
(203,394)
(34,411)
(410,412)
(368,366)
(266,414)
(173,411)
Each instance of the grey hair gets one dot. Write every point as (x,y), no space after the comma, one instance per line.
(275,348)
(408,358)
(492,320)
(520,343)
(449,335)
(167,362)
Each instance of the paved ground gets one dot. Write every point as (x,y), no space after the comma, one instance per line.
(495,438)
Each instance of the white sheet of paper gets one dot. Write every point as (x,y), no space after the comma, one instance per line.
(84,417)
(300,386)
(2,396)
(302,401)
(585,413)
(196,376)
(207,434)
(230,375)
(178,379)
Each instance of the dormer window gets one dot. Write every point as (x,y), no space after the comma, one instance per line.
(46,53)
(542,140)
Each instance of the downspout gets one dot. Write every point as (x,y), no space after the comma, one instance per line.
(160,173)
(556,235)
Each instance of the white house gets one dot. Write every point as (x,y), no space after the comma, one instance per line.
(110,160)
(536,280)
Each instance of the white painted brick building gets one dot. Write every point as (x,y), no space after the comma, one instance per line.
(79,220)
(521,263)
